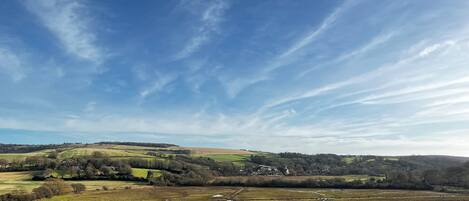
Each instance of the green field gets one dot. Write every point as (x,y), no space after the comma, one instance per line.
(22,156)
(236,158)
(10,181)
(89,151)
(272,194)
(116,151)
(142,172)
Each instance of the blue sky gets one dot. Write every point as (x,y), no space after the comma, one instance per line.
(349,77)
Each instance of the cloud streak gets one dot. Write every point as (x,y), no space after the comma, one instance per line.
(312,35)
(11,64)
(157,85)
(209,19)
(67,20)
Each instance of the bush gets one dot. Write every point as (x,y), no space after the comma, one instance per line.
(57,186)
(42,192)
(78,188)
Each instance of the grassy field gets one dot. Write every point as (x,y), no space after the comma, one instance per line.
(211,151)
(109,152)
(10,181)
(272,194)
(142,172)
(125,151)
(22,156)
(235,158)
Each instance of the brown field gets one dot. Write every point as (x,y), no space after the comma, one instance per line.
(301,178)
(271,194)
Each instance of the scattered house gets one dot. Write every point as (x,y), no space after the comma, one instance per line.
(286,171)
(265,170)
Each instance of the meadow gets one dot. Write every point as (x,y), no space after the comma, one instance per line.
(11,181)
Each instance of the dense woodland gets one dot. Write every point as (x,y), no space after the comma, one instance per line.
(181,168)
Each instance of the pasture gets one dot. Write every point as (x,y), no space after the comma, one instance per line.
(142,172)
(10,181)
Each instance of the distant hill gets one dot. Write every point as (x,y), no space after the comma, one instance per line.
(170,164)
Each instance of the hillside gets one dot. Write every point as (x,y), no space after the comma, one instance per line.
(122,165)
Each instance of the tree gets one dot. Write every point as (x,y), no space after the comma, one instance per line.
(78,188)
(42,192)
(57,186)
(52,155)
(432,177)
(91,171)
(149,174)
(98,154)
(3,163)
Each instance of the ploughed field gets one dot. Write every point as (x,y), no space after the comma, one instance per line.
(272,194)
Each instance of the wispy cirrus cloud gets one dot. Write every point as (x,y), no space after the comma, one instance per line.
(410,60)
(68,21)
(157,84)
(313,34)
(360,51)
(331,77)
(290,54)
(209,20)
(11,64)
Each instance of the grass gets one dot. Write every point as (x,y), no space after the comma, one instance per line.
(210,151)
(142,172)
(89,151)
(98,184)
(22,156)
(227,157)
(10,181)
(272,194)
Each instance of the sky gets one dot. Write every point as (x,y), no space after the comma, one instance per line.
(386,77)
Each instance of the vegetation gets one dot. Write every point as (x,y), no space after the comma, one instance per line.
(143,144)
(272,194)
(50,188)
(109,166)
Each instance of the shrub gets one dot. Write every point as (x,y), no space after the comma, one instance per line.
(78,188)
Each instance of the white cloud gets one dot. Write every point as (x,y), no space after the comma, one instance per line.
(210,19)
(410,60)
(11,65)
(158,84)
(363,50)
(90,107)
(428,50)
(235,86)
(315,33)
(67,20)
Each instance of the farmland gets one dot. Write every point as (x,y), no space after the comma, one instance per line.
(146,171)
(272,194)
(10,181)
